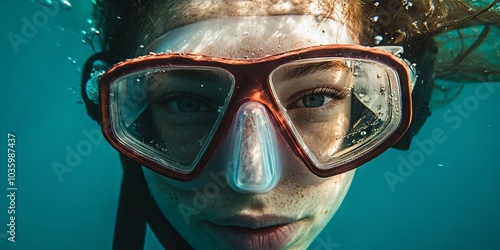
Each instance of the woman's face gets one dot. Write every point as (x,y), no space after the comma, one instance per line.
(209,212)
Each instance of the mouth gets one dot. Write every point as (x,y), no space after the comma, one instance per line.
(256,232)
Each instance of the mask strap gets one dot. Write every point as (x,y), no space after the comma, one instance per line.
(136,207)
(423,54)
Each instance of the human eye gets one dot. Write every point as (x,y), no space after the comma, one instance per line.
(185,104)
(324,97)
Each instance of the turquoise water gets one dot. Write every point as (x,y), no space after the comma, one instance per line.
(446,199)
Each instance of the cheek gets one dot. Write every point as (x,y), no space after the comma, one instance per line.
(181,141)
(325,200)
(316,204)
(325,137)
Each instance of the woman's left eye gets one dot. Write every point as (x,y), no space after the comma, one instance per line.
(317,98)
(313,100)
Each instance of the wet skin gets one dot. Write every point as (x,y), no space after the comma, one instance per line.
(207,211)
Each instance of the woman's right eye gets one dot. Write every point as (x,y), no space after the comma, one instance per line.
(186,104)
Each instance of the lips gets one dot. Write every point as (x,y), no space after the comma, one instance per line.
(256,232)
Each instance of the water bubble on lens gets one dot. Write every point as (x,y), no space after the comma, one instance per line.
(407,4)
(377,40)
(246,33)
(382,90)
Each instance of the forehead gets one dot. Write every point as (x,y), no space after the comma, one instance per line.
(166,15)
(251,36)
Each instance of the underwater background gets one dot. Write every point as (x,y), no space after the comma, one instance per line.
(443,193)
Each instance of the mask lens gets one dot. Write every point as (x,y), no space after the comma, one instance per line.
(169,115)
(338,108)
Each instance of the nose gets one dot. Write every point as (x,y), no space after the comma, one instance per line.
(254,164)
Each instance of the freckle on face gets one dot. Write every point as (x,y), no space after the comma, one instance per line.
(300,194)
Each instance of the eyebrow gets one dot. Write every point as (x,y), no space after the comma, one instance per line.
(296,71)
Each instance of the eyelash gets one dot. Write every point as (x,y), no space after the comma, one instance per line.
(166,98)
(326,91)
(330,92)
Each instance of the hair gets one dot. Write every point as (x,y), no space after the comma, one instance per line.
(401,22)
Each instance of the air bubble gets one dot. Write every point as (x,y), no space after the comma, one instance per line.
(376,4)
(374,18)
(65,4)
(95,31)
(72,60)
(47,3)
(377,40)
(363,133)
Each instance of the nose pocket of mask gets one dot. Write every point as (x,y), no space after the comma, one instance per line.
(254,165)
